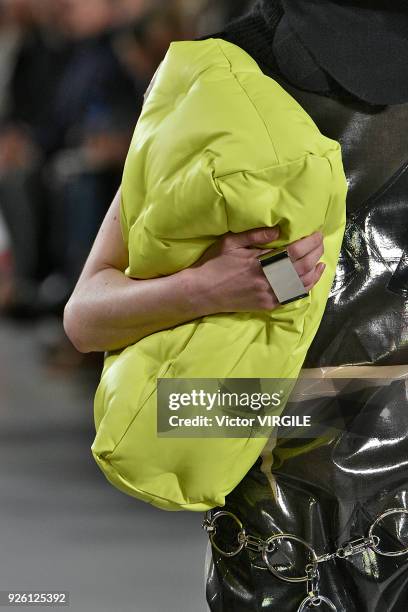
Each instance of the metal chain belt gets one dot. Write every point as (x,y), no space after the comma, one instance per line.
(312,576)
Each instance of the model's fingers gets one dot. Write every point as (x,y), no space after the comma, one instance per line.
(315,276)
(302,247)
(308,263)
(262,251)
(261,235)
(309,278)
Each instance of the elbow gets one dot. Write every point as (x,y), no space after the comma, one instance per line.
(75,327)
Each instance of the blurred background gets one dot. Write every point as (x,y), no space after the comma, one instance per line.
(72,78)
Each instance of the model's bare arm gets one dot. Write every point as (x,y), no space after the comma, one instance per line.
(108,310)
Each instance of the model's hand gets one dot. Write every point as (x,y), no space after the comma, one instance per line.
(229,277)
(109,310)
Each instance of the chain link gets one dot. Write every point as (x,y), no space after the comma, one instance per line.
(356,547)
(312,575)
(348,549)
(253,543)
(312,585)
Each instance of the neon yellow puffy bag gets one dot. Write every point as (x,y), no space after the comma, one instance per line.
(219,147)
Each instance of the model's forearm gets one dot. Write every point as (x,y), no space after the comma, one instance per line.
(110,311)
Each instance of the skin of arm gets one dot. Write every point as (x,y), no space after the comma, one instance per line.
(108,310)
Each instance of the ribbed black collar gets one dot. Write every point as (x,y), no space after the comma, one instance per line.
(285,39)
(254,32)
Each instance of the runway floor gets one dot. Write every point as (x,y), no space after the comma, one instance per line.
(62,526)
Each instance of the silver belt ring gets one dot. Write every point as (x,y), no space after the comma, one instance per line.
(286,536)
(282,276)
(241,534)
(397,553)
(316,603)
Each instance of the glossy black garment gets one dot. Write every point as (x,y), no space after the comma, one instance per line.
(329,489)
(366,319)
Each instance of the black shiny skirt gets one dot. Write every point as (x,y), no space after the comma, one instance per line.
(342,492)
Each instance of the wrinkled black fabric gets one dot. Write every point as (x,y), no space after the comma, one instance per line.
(370,289)
(330,488)
(363,44)
(366,319)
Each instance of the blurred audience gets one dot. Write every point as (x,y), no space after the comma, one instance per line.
(6,265)
(72,78)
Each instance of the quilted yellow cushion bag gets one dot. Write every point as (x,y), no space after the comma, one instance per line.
(219,147)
